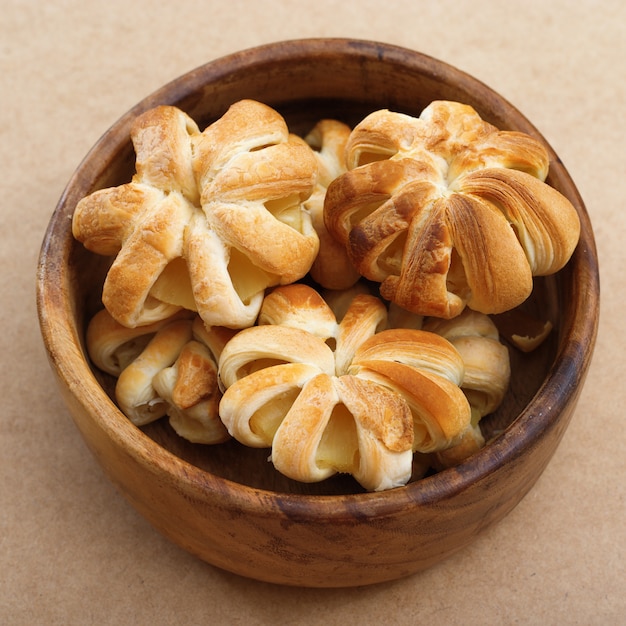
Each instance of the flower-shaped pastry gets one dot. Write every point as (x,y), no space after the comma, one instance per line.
(345,395)
(332,268)
(164,368)
(209,220)
(486,378)
(447,211)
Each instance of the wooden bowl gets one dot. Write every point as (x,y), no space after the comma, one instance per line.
(227,504)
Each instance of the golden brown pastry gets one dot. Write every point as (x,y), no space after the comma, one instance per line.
(111,346)
(339,300)
(345,424)
(486,378)
(165,368)
(191,393)
(487,364)
(332,268)
(425,370)
(209,220)
(470,442)
(142,223)
(447,211)
(348,396)
(299,306)
(134,391)
(254,177)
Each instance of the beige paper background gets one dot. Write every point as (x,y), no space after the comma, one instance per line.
(72,551)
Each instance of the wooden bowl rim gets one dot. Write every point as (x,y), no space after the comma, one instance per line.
(73,371)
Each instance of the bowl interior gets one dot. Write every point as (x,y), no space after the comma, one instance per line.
(305,82)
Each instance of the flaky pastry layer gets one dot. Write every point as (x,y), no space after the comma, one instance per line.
(167,368)
(346,394)
(446,211)
(209,220)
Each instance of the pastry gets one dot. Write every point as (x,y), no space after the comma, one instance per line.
(425,370)
(209,220)
(344,328)
(486,359)
(486,378)
(111,346)
(190,391)
(332,268)
(167,368)
(253,176)
(446,211)
(134,391)
(348,396)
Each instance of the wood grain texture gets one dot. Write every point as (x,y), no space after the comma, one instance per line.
(227,504)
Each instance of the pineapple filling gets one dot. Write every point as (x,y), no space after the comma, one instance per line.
(173,286)
(266,420)
(287,210)
(456,280)
(248,279)
(390,261)
(339,445)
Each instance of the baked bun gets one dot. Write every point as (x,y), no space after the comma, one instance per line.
(346,396)
(209,220)
(332,268)
(446,211)
(486,359)
(165,368)
(112,346)
(486,378)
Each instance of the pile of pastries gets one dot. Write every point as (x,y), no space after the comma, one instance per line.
(326,297)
